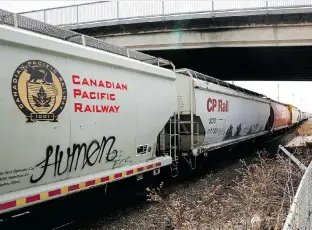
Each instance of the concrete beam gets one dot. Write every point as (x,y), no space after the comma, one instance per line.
(278,35)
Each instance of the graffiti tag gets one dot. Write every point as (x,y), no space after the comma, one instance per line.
(76,157)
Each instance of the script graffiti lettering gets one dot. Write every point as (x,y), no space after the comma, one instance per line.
(120,162)
(76,157)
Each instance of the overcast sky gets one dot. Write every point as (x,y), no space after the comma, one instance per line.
(301,90)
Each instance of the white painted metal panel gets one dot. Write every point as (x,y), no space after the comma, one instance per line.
(97,11)
(280,3)
(229,5)
(295,115)
(177,7)
(227,114)
(61,16)
(132,9)
(95,136)
(224,116)
(183,85)
(61,185)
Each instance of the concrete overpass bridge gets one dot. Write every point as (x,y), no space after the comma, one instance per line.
(241,40)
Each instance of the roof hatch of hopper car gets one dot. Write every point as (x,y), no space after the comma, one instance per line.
(187,81)
(216,81)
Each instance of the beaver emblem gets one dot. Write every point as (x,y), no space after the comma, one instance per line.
(39,91)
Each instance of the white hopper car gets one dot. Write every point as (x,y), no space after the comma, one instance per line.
(222,113)
(74,116)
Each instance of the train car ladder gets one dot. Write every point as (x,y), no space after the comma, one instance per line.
(173,147)
(169,143)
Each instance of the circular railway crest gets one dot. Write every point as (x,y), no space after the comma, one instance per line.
(39,91)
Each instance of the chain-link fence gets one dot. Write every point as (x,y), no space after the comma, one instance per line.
(299,216)
(19,21)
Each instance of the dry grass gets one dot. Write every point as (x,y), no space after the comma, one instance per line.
(258,199)
(305,129)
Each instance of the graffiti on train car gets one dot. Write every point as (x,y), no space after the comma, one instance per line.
(120,161)
(217,105)
(76,157)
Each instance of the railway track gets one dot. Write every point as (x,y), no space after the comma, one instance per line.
(93,209)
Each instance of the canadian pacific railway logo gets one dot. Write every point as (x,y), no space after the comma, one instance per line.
(39,91)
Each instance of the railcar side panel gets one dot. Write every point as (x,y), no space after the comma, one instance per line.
(281,116)
(230,116)
(74,111)
(222,116)
(183,86)
(300,115)
(295,114)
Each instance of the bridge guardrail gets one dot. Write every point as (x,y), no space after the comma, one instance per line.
(107,11)
(22,22)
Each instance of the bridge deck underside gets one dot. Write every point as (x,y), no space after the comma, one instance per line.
(251,63)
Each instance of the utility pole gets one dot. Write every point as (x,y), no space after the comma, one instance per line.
(277,92)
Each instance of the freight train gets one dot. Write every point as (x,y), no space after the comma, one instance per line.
(77,113)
